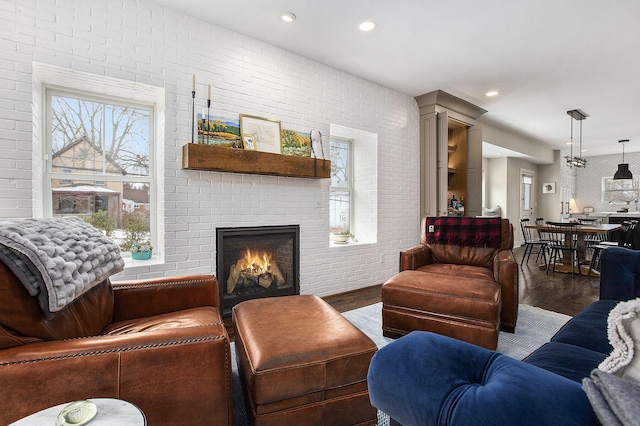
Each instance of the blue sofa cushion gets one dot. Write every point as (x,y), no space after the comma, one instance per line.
(588,329)
(570,361)
(619,274)
(425,378)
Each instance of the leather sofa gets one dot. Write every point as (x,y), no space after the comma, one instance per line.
(159,344)
(464,291)
(425,378)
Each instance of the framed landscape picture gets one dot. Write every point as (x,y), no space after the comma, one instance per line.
(265,131)
(296,143)
(217,130)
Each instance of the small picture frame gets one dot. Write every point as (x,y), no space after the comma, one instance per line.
(249,142)
(265,131)
(549,188)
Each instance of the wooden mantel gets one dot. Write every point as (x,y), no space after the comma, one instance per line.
(221,159)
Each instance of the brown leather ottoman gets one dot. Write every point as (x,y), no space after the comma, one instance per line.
(463,308)
(302,363)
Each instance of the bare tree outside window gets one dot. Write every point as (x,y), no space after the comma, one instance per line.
(99,164)
(621,191)
(121,133)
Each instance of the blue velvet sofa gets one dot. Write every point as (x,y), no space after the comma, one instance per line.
(429,379)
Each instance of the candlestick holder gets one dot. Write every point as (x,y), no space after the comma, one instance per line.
(193,113)
(208,129)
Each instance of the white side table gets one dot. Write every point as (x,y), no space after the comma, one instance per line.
(111,412)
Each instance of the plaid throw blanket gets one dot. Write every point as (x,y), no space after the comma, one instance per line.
(464,231)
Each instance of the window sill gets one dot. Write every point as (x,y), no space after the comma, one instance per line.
(351,243)
(129,262)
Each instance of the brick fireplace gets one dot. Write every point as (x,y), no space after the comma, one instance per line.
(256,262)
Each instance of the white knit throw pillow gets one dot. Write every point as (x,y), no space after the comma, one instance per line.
(624,335)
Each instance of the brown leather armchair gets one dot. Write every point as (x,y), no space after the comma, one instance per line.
(466,292)
(159,344)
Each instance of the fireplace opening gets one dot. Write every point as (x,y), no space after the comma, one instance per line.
(256,262)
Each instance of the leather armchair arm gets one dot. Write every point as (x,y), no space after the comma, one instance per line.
(505,272)
(144,298)
(415,257)
(125,366)
(426,378)
(619,274)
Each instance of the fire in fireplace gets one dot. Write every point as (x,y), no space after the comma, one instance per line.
(255,262)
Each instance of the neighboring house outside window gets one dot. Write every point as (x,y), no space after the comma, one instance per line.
(99,162)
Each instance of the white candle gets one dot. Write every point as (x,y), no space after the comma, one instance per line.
(209,95)
(193,84)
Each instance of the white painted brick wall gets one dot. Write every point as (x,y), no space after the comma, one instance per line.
(143,42)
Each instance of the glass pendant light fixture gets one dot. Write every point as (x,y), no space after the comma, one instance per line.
(578,161)
(623,168)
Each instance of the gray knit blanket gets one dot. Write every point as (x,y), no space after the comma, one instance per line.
(57,259)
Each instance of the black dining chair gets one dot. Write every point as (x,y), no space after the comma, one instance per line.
(531,244)
(563,244)
(627,228)
(593,239)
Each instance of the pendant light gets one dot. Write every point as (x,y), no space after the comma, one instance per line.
(623,168)
(577,161)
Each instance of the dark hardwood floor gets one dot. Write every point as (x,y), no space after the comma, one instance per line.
(558,292)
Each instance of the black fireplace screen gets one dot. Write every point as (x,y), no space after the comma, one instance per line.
(255,262)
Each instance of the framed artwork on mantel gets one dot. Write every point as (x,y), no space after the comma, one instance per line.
(265,131)
(248,142)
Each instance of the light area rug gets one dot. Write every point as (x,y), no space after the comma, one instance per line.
(534,328)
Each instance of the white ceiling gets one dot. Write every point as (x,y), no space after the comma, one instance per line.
(545,57)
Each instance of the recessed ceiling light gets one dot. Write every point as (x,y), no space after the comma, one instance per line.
(367,26)
(288,17)
(492,93)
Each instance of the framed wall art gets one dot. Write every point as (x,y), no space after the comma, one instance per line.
(265,132)
(549,188)
(249,142)
(218,130)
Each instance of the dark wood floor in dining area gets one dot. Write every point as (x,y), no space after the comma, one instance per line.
(558,292)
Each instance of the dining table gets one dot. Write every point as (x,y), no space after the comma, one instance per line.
(582,230)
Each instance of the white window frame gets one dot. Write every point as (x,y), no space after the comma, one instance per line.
(605,191)
(48,175)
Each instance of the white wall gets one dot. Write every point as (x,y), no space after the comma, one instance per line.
(496,178)
(134,40)
(499,136)
(549,205)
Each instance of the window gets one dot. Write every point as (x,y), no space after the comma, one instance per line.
(353,198)
(623,191)
(527,182)
(341,185)
(99,163)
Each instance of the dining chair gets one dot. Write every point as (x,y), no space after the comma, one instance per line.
(563,244)
(626,232)
(593,239)
(626,239)
(531,244)
(543,235)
